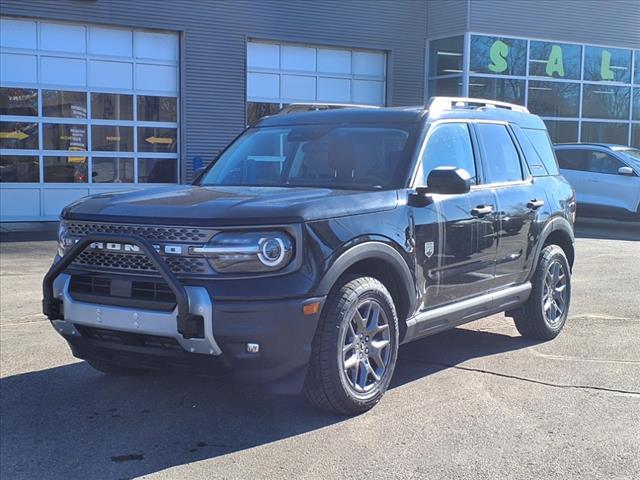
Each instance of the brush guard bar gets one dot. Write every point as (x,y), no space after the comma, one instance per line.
(188,324)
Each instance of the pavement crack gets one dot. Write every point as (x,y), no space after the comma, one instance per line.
(524,379)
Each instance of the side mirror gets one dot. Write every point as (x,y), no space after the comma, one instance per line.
(448,181)
(627,171)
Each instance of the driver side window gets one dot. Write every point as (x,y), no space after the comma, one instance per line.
(449,145)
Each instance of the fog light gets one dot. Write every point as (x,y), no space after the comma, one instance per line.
(253,347)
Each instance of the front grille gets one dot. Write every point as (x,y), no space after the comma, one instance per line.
(127,338)
(135,262)
(140,263)
(157,233)
(145,294)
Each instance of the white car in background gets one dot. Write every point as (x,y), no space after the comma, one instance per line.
(606,178)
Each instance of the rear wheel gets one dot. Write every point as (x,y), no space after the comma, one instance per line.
(545,313)
(355,348)
(113,369)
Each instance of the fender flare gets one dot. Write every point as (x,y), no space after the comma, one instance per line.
(555,224)
(372,250)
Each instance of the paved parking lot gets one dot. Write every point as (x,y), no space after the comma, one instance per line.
(476,402)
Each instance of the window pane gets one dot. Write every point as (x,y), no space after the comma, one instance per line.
(157,139)
(561,131)
(602,132)
(605,101)
(445,56)
(65,137)
(256,110)
(445,87)
(542,145)
(500,157)
(600,162)
(636,74)
(505,89)
(635,135)
(19,135)
(157,170)
(559,60)
(65,169)
(571,159)
(19,169)
(554,99)
(109,138)
(157,109)
(112,170)
(449,145)
(636,103)
(498,55)
(18,101)
(607,64)
(56,103)
(111,106)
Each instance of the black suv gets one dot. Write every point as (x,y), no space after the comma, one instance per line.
(317,244)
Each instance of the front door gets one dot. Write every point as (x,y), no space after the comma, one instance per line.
(605,189)
(454,235)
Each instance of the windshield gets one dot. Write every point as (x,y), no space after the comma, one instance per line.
(632,155)
(335,156)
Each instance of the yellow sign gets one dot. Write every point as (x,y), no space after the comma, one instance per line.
(161,140)
(77,159)
(17,135)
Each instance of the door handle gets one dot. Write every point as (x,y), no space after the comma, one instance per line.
(481,210)
(535,204)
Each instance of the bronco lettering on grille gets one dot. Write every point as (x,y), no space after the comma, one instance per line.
(128,248)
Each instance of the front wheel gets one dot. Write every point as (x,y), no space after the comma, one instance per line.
(355,348)
(546,311)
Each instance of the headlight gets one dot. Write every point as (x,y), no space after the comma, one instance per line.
(65,242)
(248,252)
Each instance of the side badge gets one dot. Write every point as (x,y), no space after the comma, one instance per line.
(429,249)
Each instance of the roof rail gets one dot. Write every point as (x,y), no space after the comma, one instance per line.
(311,106)
(453,102)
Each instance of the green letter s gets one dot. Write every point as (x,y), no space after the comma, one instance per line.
(554,63)
(498,54)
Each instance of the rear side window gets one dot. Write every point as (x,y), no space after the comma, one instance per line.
(542,145)
(499,155)
(571,159)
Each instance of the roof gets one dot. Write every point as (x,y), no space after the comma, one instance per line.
(350,115)
(413,114)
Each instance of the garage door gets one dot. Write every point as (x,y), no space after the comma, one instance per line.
(279,74)
(84,109)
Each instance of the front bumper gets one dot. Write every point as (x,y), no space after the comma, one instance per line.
(150,339)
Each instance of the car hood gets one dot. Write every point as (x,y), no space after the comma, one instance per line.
(195,205)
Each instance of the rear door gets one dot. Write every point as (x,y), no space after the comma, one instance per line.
(518,199)
(572,167)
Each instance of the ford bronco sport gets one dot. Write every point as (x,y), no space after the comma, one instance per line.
(317,244)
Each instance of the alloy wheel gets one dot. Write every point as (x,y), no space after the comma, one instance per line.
(365,348)
(554,294)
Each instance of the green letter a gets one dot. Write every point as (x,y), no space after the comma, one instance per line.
(498,53)
(554,63)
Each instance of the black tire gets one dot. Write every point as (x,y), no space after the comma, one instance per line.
(531,319)
(327,384)
(113,369)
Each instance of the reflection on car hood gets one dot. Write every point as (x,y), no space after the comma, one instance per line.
(194,205)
